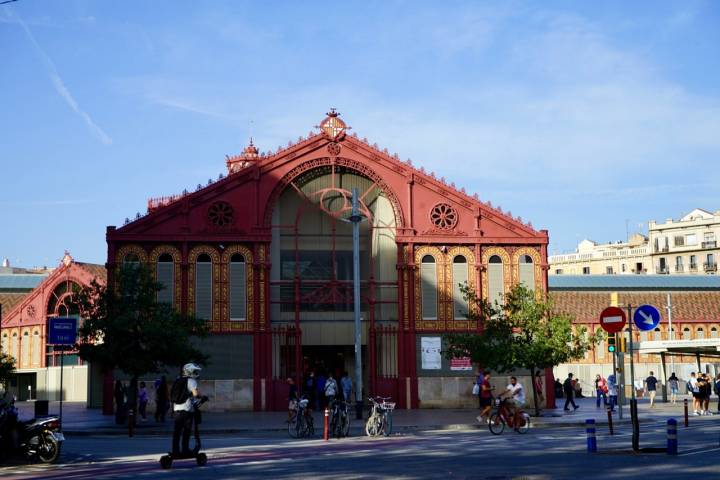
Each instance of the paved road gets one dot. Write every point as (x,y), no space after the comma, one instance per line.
(547,453)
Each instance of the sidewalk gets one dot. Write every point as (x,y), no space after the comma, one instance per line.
(78,420)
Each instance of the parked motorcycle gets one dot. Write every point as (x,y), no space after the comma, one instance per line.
(36,439)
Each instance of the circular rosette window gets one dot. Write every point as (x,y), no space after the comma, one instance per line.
(443,216)
(220,214)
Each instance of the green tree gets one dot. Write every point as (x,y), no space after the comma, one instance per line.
(127,329)
(525,333)
(7,368)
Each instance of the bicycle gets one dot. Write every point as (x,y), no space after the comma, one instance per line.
(502,416)
(340,419)
(301,424)
(380,420)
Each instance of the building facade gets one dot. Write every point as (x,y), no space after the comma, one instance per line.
(687,246)
(264,254)
(591,258)
(23,336)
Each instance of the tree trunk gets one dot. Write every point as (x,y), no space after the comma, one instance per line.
(535,397)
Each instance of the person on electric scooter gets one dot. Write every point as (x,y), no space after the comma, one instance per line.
(183,394)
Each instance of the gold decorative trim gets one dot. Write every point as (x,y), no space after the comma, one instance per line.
(261,279)
(237,325)
(470,257)
(126,249)
(507,271)
(177,273)
(192,259)
(440,263)
(537,268)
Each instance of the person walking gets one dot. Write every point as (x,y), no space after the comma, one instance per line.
(651,387)
(320,387)
(539,389)
(346,386)
(674,384)
(119,394)
(692,388)
(311,390)
(601,390)
(331,391)
(143,401)
(161,399)
(479,377)
(612,391)
(707,391)
(485,399)
(569,391)
(292,398)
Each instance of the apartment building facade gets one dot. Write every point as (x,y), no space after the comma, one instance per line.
(686,246)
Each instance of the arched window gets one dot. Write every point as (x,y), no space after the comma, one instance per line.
(460,278)
(60,303)
(428,279)
(495,280)
(713,332)
(131,259)
(25,350)
(527,271)
(657,335)
(15,345)
(165,271)
(5,344)
(700,333)
(686,333)
(238,288)
(36,349)
(203,287)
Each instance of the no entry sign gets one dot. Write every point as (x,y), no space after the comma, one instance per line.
(612,319)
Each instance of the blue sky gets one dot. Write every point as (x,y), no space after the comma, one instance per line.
(575,115)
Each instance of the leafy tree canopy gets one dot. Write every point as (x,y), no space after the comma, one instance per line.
(126,328)
(525,332)
(7,368)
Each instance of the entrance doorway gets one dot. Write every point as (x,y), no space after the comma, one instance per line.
(334,360)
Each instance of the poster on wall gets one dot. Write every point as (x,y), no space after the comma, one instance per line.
(431,351)
(460,364)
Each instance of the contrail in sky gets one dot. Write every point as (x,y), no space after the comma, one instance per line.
(61,89)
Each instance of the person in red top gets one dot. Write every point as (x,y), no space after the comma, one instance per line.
(485,399)
(601,390)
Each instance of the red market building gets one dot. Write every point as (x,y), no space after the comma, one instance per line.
(265,255)
(23,335)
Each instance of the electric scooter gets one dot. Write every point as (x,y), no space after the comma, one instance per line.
(200,457)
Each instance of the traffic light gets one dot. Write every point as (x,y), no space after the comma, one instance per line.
(611,343)
(622,344)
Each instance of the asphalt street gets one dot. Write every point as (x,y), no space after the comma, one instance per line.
(543,453)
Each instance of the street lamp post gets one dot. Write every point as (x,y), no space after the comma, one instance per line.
(356,218)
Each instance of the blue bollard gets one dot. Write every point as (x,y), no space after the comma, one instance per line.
(672,436)
(591,439)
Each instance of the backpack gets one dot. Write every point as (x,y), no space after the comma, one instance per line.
(689,386)
(179,391)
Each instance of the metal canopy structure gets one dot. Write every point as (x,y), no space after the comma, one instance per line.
(706,347)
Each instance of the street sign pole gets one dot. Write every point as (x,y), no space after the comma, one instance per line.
(633,400)
(62,367)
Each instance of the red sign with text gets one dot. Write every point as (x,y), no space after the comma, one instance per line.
(612,319)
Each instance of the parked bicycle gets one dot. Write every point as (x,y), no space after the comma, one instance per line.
(380,421)
(502,417)
(339,419)
(301,424)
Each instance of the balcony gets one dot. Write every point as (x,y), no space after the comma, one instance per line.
(679,268)
(663,269)
(693,267)
(712,244)
(710,267)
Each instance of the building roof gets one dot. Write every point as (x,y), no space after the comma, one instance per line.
(634,282)
(585,306)
(9,300)
(20,282)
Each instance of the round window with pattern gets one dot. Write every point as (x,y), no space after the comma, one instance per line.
(443,216)
(220,214)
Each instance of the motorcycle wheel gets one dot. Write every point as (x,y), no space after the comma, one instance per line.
(48,449)
(201,459)
(166,461)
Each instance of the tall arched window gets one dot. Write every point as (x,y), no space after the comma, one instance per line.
(5,344)
(165,271)
(238,288)
(428,278)
(495,280)
(527,271)
(15,346)
(25,350)
(700,333)
(131,259)
(203,287)
(460,277)
(36,349)
(713,332)
(686,333)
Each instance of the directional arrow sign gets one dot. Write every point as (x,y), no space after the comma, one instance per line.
(612,319)
(646,317)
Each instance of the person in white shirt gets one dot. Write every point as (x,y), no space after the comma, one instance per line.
(184,411)
(515,393)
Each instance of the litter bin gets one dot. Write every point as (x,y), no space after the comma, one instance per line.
(41,408)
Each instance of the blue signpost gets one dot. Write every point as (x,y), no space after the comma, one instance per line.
(62,331)
(646,317)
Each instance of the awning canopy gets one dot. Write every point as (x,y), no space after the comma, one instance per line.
(707,347)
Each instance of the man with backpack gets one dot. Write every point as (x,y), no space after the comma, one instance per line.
(184,391)
(331,391)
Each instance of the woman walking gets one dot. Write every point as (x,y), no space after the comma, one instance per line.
(674,384)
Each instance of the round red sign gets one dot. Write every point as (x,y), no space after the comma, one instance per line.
(612,319)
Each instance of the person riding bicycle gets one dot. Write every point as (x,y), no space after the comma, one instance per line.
(515,394)
(184,395)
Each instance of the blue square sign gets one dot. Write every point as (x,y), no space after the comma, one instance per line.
(62,331)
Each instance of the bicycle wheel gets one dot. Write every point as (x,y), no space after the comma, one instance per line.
(497,424)
(372,427)
(345,425)
(294,427)
(523,423)
(309,426)
(388,423)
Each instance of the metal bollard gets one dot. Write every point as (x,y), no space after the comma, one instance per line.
(672,444)
(610,424)
(326,434)
(591,439)
(686,413)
